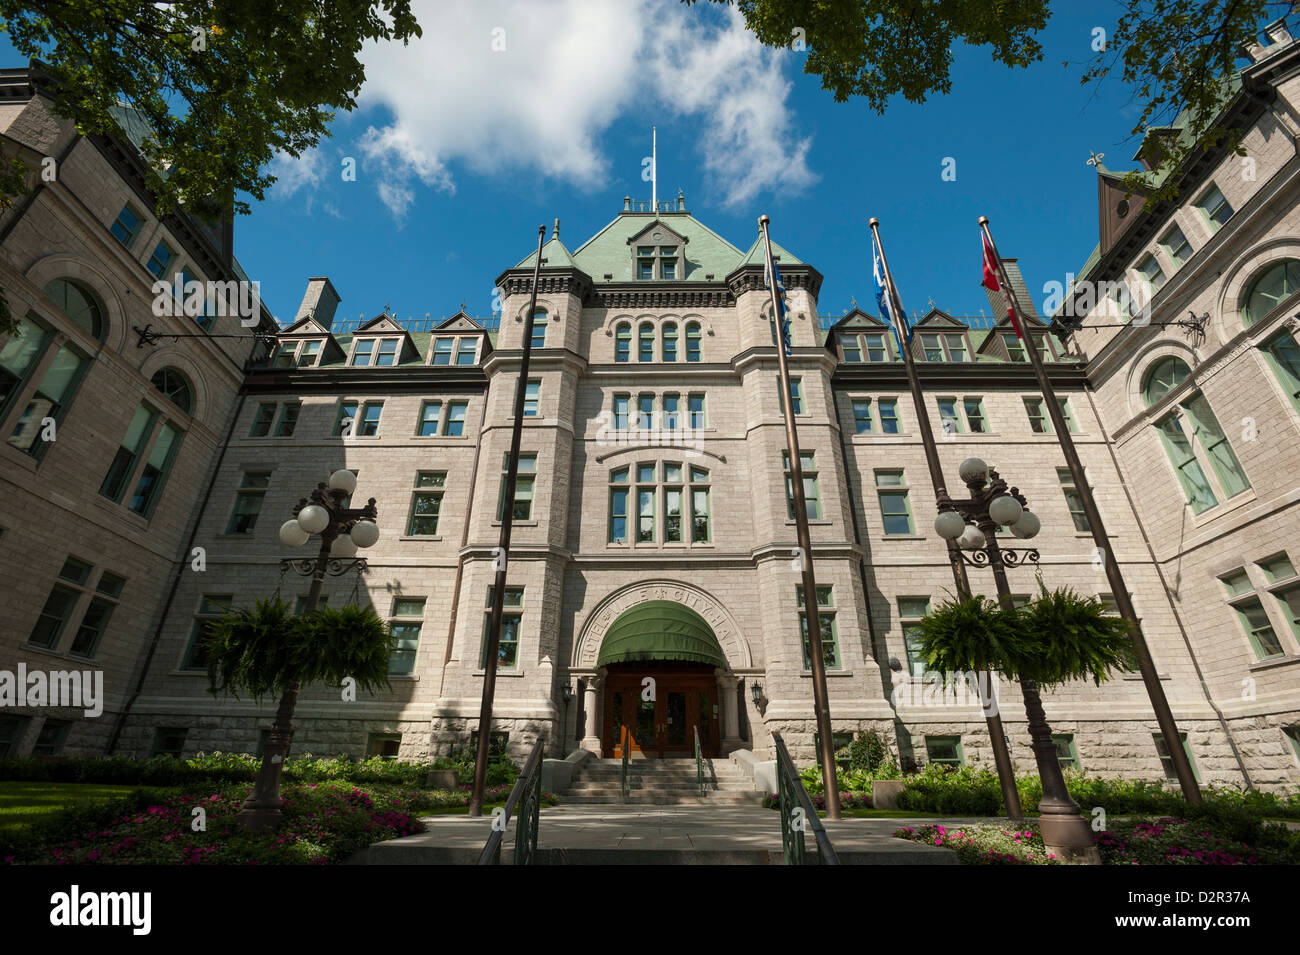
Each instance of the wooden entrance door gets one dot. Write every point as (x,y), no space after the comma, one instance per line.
(659,719)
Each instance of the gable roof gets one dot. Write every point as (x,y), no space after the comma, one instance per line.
(756,256)
(554,255)
(704,251)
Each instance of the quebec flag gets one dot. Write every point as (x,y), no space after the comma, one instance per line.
(883,303)
(772,279)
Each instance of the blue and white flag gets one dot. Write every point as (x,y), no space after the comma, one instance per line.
(884,302)
(772,278)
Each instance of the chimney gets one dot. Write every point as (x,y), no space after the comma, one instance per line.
(1278,38)
(319,302)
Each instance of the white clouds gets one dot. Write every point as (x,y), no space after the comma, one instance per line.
(569,69)
(293,174)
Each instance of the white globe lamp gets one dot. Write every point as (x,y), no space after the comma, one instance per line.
(365,533)
(1005,510)
(292,534)
(949,525)
(313,518)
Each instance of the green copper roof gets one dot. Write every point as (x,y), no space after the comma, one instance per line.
(555,254)
(607,252)
(755,255)
(660,630)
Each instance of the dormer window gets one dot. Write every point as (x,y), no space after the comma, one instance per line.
(362,350)
(308,352)
(657,262)
(467,351)
(387,354)
(863,346)
(946,347)
(442,350)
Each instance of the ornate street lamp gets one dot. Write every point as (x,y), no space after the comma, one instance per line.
(342,530)
(973,524)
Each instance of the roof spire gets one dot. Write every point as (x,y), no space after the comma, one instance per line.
(1094,159)
(556,233)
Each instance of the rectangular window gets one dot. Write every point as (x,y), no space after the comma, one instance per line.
(796,395)
(11,733)
(362,350)
(1199,495)
(455,426)
(945,750)
(672,412)
(467,348)
(149,485)
(695,408)
(288,419)
(525,476)
(119,472)
(1176,246)
(1282,354)
(1166,761)
(383,745)
(430,414)
(645,412)
(387,354)
(1067,414)
(48,401)
(370,414)
(1214,443)
(1150,269)
(1073,501)
(1292,734)
(1277,568)
(50,740)
(933,350)
(160,259)
(1254,620)
(850,348)
(622,407)
(442,348)
(408,616)
(646,343)
(54,616)
(673,513)
(645,503)
(308,353)
(645,268)
(125,226)
(975,418)
(18,358)
(877,349)
(861,415)
(1215,208)
(618,492)
(700,520)
(211,607)
(511,618)
(169,741)
(1066,752)
(669,268)
(95,620)
(910,612)
(248,502)
(888,408)
(285,355)
(262,420)
(426,503)
(829,631)
(956,347)
(345,420)
(949,421)
(812,496)
(1014,346)
(1039,422)
(692,342)
(532,397)
(895,509)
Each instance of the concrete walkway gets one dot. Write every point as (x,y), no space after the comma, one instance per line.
(657,835)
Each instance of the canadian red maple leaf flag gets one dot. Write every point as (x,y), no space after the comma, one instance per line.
(991,283)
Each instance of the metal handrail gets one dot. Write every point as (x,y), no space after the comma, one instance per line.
(626,753)
(792,796)
(528,787)
(699,763)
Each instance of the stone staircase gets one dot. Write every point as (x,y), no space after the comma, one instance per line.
(663,782)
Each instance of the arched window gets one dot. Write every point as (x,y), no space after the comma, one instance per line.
(175,387)
(670,341)
(1194,440)
(79,305)
(1279,282)
(623,342)
(539,328)
(645,342)
(692,341)
(1164,376)
(1283,356)
(43,400)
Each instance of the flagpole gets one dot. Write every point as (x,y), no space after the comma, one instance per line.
(997,736)
(812,608)
(503,551)
(654,171)
(1123,603)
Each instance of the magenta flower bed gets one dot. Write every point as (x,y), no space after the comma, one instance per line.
(1172,841)
(984,845)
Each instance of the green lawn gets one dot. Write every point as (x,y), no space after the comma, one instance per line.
(24,803)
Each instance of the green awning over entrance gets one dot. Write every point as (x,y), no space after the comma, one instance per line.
(660,630)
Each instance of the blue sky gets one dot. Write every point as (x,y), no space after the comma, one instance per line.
(462,150)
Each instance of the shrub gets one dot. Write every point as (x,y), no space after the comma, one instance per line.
(956,790)
(984,845)
(1172,840)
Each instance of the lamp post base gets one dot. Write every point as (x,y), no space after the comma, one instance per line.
(259,818)
(1067,836)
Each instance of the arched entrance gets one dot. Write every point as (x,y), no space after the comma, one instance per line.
(660,660)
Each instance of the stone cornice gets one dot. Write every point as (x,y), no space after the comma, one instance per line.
(550,281)
(749,278)
(660,295)
(955,375)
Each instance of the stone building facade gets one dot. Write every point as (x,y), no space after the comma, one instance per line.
(651,541)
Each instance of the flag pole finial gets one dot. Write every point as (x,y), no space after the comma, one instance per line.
(763,219)
(873,222)
(984,220)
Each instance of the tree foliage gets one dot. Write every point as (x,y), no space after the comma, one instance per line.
(1177,56)
(1058,636)
(265,649)
(222,84)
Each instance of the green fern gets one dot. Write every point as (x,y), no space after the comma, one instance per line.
(1073,637)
